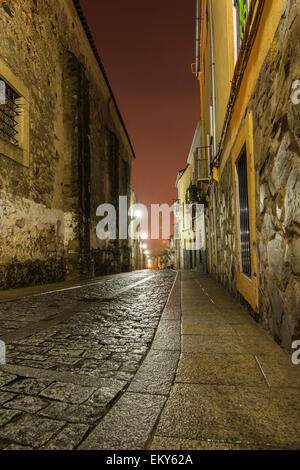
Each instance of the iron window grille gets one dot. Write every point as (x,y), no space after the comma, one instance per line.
(202,162)
(243,208)
(114,160)
(126,177)
(213,240)
(10,110)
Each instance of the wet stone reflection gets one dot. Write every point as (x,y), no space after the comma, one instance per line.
(71,353)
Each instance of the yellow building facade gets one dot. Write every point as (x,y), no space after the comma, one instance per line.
(248,68)
(183,182)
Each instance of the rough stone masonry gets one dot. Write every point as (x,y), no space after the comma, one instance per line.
(276,121)
(79,152)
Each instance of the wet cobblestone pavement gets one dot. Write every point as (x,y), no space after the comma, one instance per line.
(71,353)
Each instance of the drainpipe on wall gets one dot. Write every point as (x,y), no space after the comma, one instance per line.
(197,38)
(213,87)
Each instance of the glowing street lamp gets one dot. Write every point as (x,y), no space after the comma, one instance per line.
(138,214)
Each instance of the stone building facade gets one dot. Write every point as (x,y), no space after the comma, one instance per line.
(64,151)
(276,130)
(250,119)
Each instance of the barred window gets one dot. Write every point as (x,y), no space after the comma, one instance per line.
(114,164)
(202,160)
(14,116)
(9,112)
(243,207)
(213,239)
(126,177)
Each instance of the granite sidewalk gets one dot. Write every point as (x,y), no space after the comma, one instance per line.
(234,388)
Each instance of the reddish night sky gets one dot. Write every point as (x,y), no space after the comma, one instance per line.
(146,49)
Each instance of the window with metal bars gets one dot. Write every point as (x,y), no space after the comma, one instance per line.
(114,164)
(9,112)
(202,163)
(243,208)
(125,178)
(213,240)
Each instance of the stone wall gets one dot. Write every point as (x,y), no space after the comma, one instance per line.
(277,160)
(225,229)
(48,208)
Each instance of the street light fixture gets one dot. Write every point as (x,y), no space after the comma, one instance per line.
(138,214)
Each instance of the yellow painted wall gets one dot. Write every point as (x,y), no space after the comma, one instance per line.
(224,65)
(268,25)
(238,130)
(222,71)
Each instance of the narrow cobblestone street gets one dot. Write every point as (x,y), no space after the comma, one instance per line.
(71,353)
(149,228)
(148,360)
